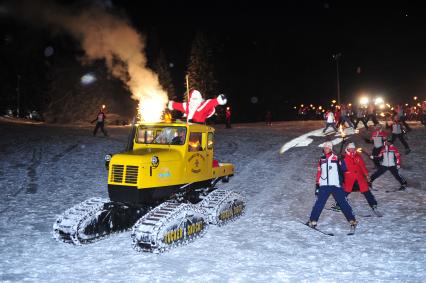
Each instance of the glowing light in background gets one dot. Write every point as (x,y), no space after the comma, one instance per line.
(379,100)
(364,100)
(88,79)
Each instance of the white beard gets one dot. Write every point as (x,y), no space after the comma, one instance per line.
(193,106)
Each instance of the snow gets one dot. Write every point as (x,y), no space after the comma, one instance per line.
(46,169)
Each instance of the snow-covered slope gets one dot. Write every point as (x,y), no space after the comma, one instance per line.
(46,169)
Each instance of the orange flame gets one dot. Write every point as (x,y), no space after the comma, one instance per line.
(342,133)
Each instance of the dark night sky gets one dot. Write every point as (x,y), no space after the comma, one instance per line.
(285,53)
(282,53)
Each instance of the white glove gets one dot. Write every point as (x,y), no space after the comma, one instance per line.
(170,105)
(371,157)
(221,99)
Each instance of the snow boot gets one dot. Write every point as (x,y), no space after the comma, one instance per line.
(312,224)
(353,223)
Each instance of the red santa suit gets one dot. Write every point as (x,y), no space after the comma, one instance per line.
(197,109)
(356,171)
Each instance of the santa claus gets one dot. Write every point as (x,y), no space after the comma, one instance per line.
(197,109)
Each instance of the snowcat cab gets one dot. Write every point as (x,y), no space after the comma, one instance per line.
(160,165)
(162,187)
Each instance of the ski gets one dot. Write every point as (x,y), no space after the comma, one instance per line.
(318,230)
(377,213)
(395,190)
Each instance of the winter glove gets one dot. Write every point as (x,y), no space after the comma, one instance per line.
(316,189)
(221,99)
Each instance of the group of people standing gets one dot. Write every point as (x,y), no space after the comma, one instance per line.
(341,174)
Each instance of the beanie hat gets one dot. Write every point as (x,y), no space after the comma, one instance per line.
(350,145)
(328,144)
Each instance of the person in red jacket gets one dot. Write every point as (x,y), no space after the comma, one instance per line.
(228,117)
(197,109)
(356,175)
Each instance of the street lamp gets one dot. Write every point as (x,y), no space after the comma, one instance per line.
(337,57)
(18,94)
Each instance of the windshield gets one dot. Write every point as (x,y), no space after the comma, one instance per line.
(161,135)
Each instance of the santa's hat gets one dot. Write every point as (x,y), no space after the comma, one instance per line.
(195,94)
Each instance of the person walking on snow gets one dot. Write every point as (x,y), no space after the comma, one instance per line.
(329,180)
(400,113)
(398,132)
(228,117)
(344,117)
(100,123)
(390,160)
(371,114)
(329,121)
(377,138)
(197,110)
(360,113)
(356,176)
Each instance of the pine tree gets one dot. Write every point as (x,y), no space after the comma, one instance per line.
(200,67)
(162,69)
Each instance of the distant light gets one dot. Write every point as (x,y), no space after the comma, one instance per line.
(333,101)
(311,105)
(301,105)
(227,108)
(406,104)
(388,105)
(171,65)
(350,104)
(379,100)
(254,99)
(418,104)
(364,100)
(415,97)
(295,107)
(319,107)
(382,106)
(103,106)
(88,79)
(48,51)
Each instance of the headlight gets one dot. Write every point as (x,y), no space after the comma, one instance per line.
(108,157)
(155,161)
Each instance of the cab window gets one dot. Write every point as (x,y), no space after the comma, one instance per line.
(210,140)
(195,142)
(161,135)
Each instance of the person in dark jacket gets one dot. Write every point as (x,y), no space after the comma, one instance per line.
(100,123)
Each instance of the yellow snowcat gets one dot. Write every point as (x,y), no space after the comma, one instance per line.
(163,188)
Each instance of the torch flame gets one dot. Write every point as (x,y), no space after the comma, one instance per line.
(342,132)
